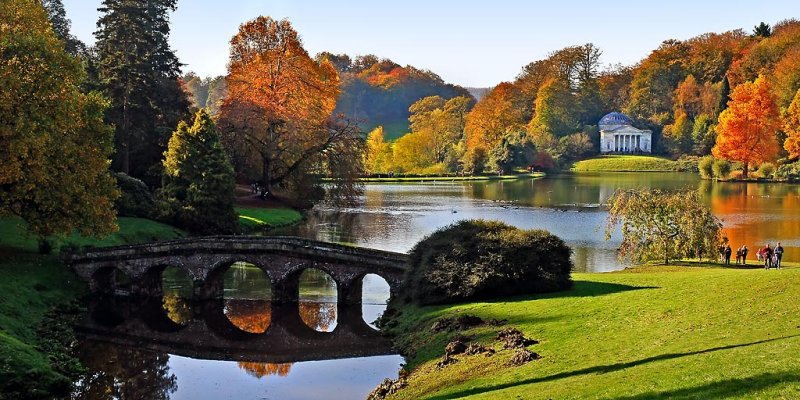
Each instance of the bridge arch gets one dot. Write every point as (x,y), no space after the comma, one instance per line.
(111,279)
(205,259)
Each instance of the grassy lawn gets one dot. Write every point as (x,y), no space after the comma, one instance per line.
(254,219)
(651,332)
(533,175)
(13,234)
(625,163)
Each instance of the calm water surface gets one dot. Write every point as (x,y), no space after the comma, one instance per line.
(131,353)
(396,216)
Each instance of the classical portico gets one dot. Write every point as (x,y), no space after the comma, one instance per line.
(618,135)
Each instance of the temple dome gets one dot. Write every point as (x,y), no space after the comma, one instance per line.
(615,118)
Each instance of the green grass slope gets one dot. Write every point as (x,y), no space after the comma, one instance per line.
(656,332)
(253,219)
(33,285)
(14,235)
(627,163)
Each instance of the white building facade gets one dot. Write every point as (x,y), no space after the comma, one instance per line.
(618,135)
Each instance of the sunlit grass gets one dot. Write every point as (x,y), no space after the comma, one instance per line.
(14,235)
(252,219)
(625,163)
(696,331)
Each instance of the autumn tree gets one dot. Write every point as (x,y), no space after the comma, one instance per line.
(500,112)
(54,145)
(747,128)
(791,125)
(198,179)
(139,73)
(441,121)
(378,153)
(659,225)
(279,107)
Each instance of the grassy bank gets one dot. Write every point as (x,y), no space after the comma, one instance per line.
(533,175)
(630,163)
(652,332)
(253,219)
(14,235)
(32,286)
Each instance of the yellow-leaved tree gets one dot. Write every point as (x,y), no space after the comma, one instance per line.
(54,144)
(791,125)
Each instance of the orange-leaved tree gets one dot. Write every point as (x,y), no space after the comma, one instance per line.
(277,116)
(502,111)
(747,128)
(791,125)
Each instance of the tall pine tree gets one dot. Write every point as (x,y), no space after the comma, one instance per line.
(140,74)
(198,179)
(61,26)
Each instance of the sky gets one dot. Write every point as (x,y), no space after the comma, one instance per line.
(470,43)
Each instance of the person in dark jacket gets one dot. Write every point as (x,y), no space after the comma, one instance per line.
(728,252)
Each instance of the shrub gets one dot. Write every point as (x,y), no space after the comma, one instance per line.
(479,259)
(788,171)
(766,170)
(706,167)
(135,199)
(722,169)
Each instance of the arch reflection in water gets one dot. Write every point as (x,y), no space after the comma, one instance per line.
(318,300)
(132,352)
(375,292)
(247,293)
(177,288)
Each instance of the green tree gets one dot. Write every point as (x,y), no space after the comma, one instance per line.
(198,179)
(140,74)
(555,109)
(54,145)
(762,30)
(61,26)
(659,225)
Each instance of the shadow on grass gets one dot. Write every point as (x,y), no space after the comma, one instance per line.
(579,289)
(603,369)
(741,387)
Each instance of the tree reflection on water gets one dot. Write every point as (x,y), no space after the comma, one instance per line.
(251,316)
(260,370)
(118,372)
(318,316)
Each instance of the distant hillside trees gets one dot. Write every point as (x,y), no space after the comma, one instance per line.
(380,92)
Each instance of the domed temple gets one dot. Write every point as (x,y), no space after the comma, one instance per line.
(618,135)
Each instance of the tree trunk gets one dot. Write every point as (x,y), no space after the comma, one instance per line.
(744,170)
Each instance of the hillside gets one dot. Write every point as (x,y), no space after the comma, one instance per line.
(379,92)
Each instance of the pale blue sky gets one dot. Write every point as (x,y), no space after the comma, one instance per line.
(471,43)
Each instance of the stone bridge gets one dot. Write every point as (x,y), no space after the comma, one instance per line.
(210,335)
(206,259)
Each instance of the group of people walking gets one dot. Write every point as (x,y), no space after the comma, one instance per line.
(771,257)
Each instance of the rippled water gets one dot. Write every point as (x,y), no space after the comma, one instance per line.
(396,216)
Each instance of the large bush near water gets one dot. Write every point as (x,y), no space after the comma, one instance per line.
(477,259)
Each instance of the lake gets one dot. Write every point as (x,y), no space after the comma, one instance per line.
(131,354)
